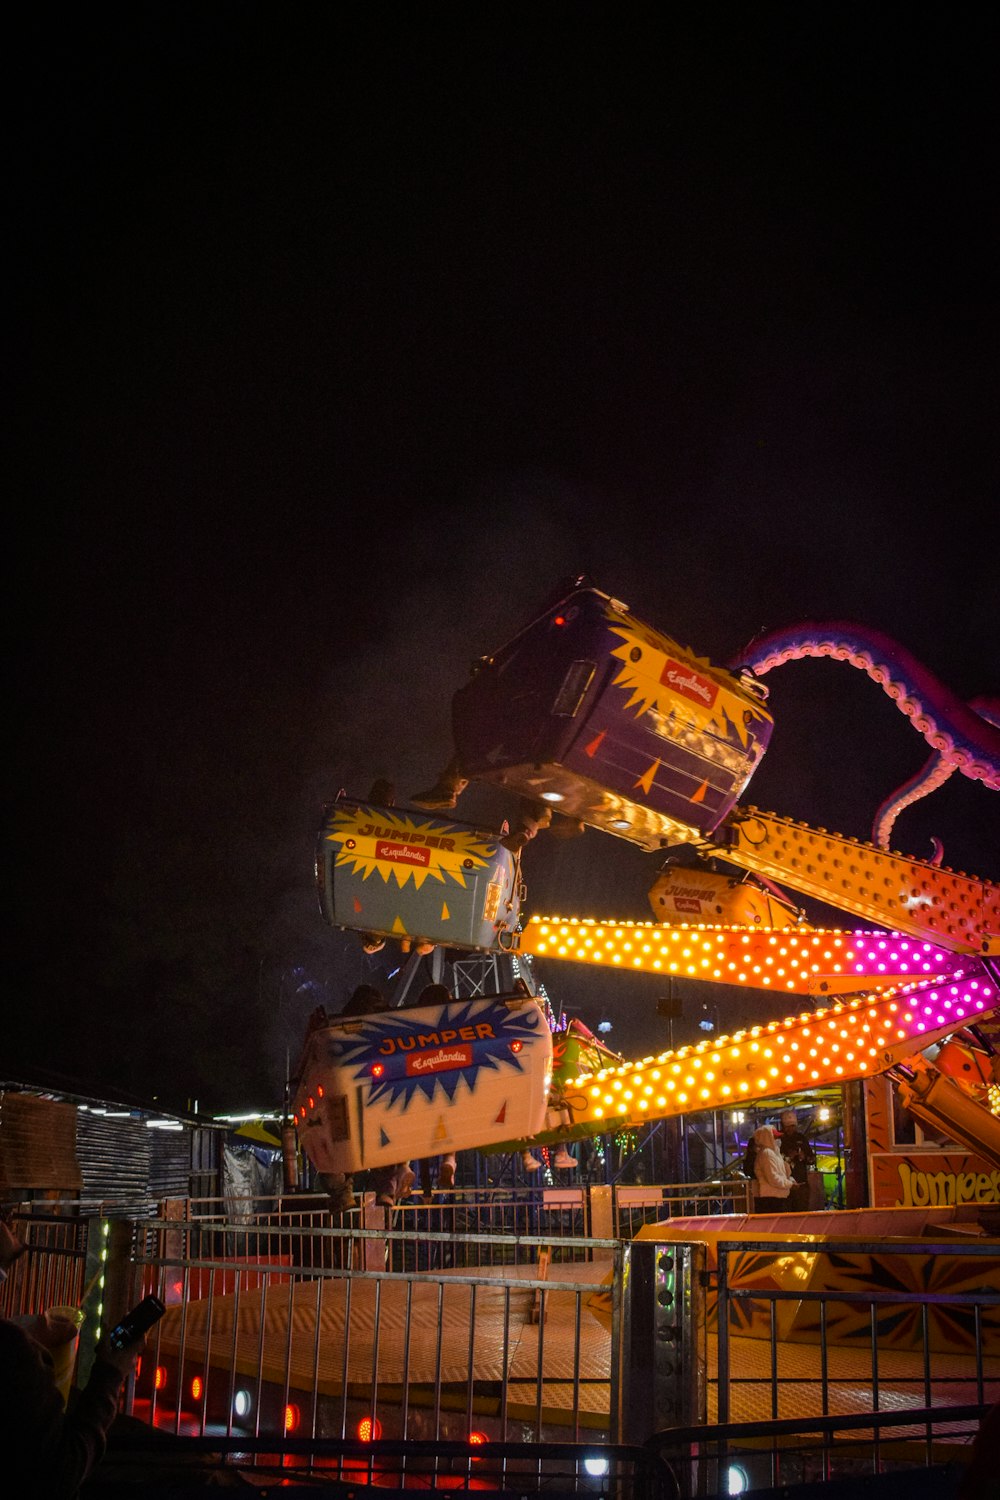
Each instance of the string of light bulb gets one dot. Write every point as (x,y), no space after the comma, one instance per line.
(803,960)
(849,1040)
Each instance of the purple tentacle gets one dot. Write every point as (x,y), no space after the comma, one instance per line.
(931,775)
(987,707)
(964,736)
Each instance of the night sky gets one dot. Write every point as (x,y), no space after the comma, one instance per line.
(341,336)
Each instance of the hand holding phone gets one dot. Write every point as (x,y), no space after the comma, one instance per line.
(135,1324)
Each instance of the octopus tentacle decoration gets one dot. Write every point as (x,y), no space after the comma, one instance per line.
(932,774)
(963,736)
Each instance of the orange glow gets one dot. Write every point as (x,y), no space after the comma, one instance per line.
(196,1388)
(292,1418)
(160,1378)
(369,1430)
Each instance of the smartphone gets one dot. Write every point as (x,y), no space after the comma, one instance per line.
(135,1323)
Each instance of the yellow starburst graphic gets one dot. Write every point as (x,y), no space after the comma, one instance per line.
(374,841)
(667,679)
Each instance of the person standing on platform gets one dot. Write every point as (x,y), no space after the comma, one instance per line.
(800,1158)
(774,1180)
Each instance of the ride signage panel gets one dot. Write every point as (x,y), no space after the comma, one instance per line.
(420,1082)
(932,1179)
(403,873)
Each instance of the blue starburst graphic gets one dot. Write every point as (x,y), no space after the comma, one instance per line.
(402,1054)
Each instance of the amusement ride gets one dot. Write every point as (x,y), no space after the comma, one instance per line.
(612,725)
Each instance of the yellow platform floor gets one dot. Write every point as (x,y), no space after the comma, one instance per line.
(426,1336)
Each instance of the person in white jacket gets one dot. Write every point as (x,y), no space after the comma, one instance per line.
(774,1180)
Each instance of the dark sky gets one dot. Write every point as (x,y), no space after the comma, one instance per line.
(339,337)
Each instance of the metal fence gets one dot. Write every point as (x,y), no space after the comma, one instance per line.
(636,1206)
(920,1455)
(339,1468)
(565,1213)
(314,1332)
(854,1326)
(448,1230)
(53,1274)
(454,1320)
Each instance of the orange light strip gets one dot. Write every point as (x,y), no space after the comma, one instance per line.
(797,961)
(846,1041)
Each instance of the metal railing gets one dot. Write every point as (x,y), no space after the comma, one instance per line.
(892,1324)
(300,1325)
(334,1467)
(563,1212)
(494,1229)
(315,1332)
(449,1229)
(926,1447)
(53,1274)
(636,1206)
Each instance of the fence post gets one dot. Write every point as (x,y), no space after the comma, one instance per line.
(373,1252)
(106,1284)
(602,1219)
(175,1244)
(663,1345)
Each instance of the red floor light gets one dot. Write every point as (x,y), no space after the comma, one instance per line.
(292,1418)
(196,1388)
(369,1430)
(160,1378)
(476,1439)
